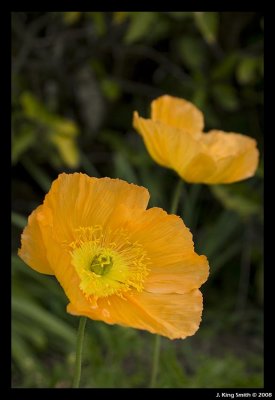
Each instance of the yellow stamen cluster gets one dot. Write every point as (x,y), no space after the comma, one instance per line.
(108,262)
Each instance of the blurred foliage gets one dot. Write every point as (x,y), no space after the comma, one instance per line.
(77,77)
(38,125)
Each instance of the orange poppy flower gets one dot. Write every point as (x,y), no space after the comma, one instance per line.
(174,138)
(116,261)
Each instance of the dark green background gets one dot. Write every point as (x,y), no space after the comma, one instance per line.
(76,80)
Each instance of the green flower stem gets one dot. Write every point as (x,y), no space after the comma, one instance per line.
(155,361)
(79,346)
(155,365)
(176,197)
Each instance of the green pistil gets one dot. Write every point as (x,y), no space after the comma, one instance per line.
(101,264)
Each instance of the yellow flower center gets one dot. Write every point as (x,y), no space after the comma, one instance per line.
(108,262)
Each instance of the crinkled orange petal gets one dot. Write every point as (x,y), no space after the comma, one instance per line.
(178,314)
(177,113)
(154,228)
(33,250)
(118,310)
(77,200)
(174,265)
(172,315)
(178,277)
(236,156)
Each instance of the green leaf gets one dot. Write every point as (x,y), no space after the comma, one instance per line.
(110,88)
(226,96)
(67,149)
(22,140)
(18,220)
(247,70)
(242,203)
(37,173)
(141,25)
(22,353)
(226,67)
(192,52)
(33,109)
(44,318)
(35,336)
(61,131)
(43,283)
(64,127)
(207,23)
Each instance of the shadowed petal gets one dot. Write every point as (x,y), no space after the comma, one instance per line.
(236,156)
(174,265)
(33,250)
(173,315)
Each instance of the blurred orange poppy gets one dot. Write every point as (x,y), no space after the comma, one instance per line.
(116,261)
(174,138)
